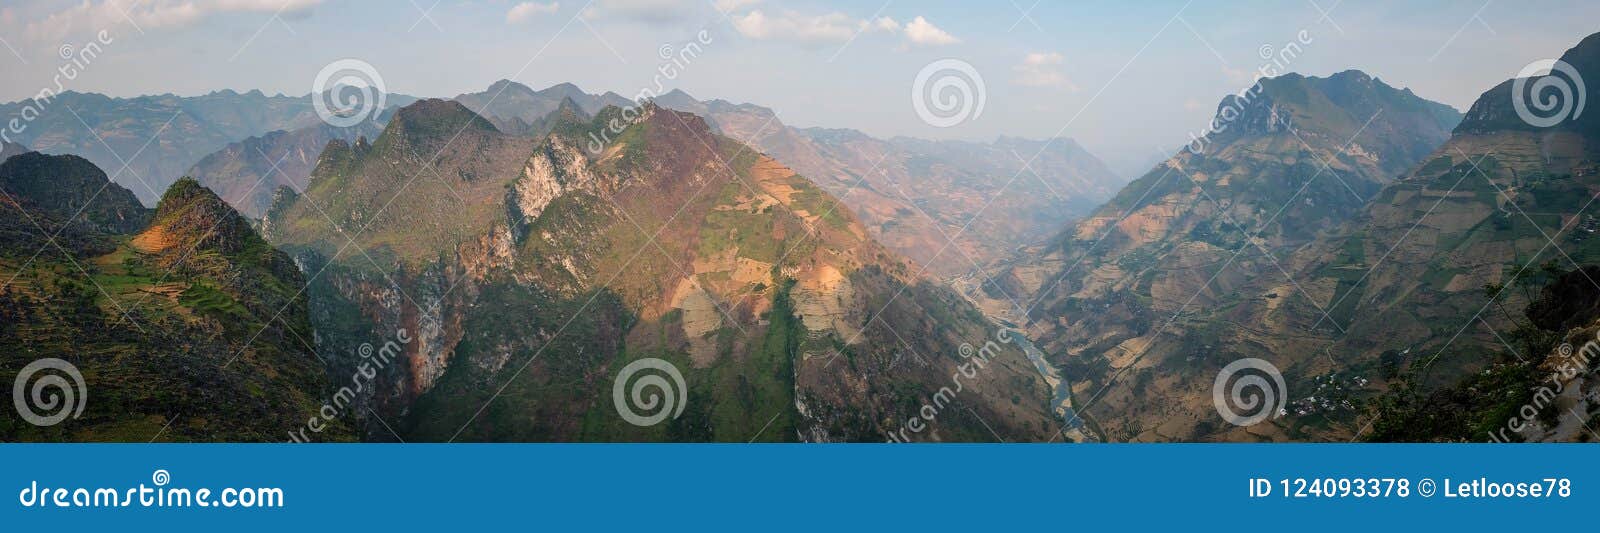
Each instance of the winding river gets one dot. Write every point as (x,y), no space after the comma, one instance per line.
(1061,396)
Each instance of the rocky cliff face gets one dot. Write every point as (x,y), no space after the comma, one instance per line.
(786,320)
(912,195)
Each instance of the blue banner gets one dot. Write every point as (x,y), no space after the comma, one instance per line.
(283,487)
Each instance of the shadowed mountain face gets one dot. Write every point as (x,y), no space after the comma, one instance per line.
(71,188)
(183,323)
(48,208)
(1142,302)
(534,278)
(11,149)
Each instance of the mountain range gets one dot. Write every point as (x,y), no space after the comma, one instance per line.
(184,323)
(148,142)
(1324,236)
(915,196)
(952,207)
(502,265)
(534,279)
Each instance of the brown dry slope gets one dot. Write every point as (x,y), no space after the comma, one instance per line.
(916,196)
(1418,282)
(1135,302)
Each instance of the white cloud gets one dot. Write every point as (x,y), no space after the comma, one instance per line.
(832,28)
(791,26)
(89,16)
(729,6)
(649,11)
(883,24)
(1043,69)
(920,31)
(811,30)
(526,11)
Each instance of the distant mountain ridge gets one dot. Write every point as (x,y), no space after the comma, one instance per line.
(159,136)
(247,173)
(917,195)
(514,108)
(912,194)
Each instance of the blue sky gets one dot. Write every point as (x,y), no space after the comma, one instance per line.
(1128,80)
